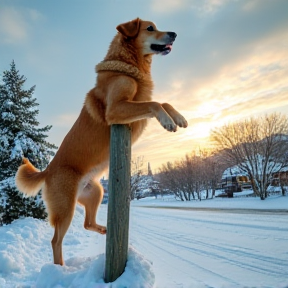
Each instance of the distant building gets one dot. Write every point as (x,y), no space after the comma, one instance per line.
(280,177)
(234,180)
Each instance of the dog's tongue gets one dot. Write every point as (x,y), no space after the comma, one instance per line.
(167,50)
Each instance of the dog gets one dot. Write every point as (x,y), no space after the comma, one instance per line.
(122,95)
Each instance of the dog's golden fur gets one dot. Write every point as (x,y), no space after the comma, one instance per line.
(122,95)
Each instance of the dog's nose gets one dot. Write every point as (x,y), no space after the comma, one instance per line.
(172,35)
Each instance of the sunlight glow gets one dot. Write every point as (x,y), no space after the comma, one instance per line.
(198,130)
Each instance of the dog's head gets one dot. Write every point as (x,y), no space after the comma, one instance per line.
(147,37)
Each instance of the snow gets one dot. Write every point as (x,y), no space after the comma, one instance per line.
(238,202)
(256,165)
(8,116)
(219,243)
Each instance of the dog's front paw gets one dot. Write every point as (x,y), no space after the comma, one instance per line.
(180,121)
(168,124)
(165,120)
(170,127)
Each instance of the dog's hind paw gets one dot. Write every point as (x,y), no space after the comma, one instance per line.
(96,228)
(101,229)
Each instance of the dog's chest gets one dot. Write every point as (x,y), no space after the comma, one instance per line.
(144,90)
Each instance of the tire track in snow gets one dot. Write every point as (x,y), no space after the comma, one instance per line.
(148,243)
(261,227)
(157,242)
(201,250)
(156,230)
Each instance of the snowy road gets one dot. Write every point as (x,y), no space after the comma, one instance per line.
(192,248)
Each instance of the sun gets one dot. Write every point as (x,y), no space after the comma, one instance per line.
(198,130)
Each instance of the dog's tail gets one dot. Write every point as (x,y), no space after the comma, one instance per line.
(29,180)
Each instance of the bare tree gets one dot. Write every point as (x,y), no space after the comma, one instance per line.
(171,179)
(191,175)
(212,168)
(193,165)
(256,145)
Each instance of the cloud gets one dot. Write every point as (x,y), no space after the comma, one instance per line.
(208,7)
(200,7)
(13,27)
(34,15)
(264,69)
(226,36)
(167,6)
(263,72)
(251,5)
(15,24)
(65,120)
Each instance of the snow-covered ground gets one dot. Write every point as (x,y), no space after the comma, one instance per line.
(238,242)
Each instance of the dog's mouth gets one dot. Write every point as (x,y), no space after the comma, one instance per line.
(162,49)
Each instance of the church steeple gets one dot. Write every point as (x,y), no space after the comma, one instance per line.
(149,170)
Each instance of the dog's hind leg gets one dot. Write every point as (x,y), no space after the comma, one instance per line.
(61,228)
(60,195)
(90,198)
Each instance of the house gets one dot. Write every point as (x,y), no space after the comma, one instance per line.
(280,177)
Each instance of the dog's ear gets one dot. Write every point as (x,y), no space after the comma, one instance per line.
(129,29)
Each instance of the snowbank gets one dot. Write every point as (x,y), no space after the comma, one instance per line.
(26,257)
(88,273)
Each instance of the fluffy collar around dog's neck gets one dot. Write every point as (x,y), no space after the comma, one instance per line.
(121,67)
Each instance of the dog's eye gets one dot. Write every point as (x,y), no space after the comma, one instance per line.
(150,28)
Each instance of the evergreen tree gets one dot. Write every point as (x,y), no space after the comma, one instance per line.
(20,137)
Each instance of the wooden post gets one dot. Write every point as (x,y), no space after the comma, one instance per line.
(118,202)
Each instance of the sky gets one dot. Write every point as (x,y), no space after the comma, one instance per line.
(229,61)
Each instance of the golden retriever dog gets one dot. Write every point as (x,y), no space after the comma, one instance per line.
(122,95)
